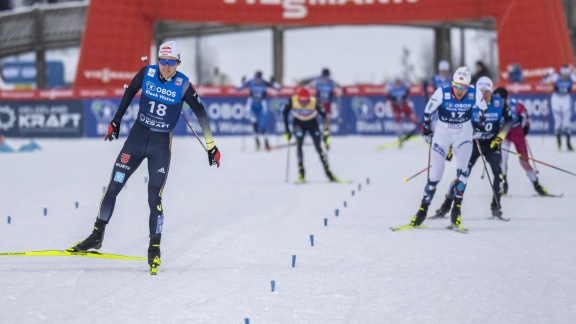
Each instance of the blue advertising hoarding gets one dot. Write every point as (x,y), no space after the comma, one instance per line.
(351,115)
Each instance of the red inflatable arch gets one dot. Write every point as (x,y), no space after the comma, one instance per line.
(532,33)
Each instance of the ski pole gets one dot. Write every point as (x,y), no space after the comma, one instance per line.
(417,174)
(537,161)
(428,168)
(193,131)
(287,160)
(487,173)
(532,155)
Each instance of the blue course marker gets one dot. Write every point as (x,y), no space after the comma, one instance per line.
(293,261)
(273,285)
(325,221)
(311,240)
(9,219)
(76,204)
(352,193)
(45,211)
(246,321)
(336,212)
(344,203)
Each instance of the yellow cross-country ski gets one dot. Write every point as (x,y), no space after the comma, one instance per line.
(87,254)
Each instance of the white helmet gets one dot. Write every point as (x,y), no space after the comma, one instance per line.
(484,83)
(169,48)
(462,76)
(443,66)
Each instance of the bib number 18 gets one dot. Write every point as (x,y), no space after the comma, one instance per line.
(160,108)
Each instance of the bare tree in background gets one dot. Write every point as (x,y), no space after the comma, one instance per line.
(408,73)
(427,60)
(205,62)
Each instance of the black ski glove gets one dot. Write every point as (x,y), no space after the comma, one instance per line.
(113,131)
(214,157)
(427,132)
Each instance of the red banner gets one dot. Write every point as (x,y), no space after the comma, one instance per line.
(532,33)
(203,91)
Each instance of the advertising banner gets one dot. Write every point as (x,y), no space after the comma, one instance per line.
(354,113)
(99,66)
(25,73)
(59,118)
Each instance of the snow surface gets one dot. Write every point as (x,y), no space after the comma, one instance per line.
(230,231)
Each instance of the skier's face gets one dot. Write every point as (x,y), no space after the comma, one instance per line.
(168,66)
(459,90)
(487,94)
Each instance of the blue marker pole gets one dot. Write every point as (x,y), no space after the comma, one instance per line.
(352,193)
(367,180)
(45,211)
(246,321)
(311,240)
(325,221)
(336,212)
(359,186)
(344,203)
(9,219)
(273,285)
(76,205)
(293,261)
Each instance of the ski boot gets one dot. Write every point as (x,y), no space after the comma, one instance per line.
(568,144)
(301,173)
(331,176)
(154,254)
(504,186)
(257,144)
(420,216)
(559,141)
(456,218)
(93,241)
(496,209)
(444,209)
(539,189)
(416,221)
(266,145)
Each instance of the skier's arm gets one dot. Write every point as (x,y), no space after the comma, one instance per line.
(523,112)
(273,84)
(243,86)
(434,102)
(193,100)
(508,121)
(129,94)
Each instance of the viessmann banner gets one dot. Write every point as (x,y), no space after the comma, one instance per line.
(544,45)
